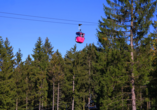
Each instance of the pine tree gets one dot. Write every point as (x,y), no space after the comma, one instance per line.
(81,80)
(7,83)
(2,55)
(70,71)
(28,77)
(53,71)
(48,50)
(40,71)
(89,59)
(18,80)
(138,14)
(60,76)
(77,76)
(152,88)
(111,75)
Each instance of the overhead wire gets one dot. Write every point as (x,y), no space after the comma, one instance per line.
(41,20)
(91,23)
(47,17)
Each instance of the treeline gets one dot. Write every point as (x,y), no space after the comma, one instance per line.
(124,63)
(48,81)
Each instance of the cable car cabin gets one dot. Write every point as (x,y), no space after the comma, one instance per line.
(80,37)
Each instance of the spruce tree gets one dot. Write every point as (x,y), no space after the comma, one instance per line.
(89,58)
(59,78)
(70,72)
(18,80)
(48,50)
(56,76)
(111,75)
(81,81)
(124,16)
(152,88)
(77,79)
(29,85)
(7,83)
(28,77)
(2,78)
(39,64)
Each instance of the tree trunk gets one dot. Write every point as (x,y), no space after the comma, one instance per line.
(73,93)
(53,95)
(26,94)
(16,104)
(84,103)
(39,102)
(88,102)
(122,97)
(132,57)
(89,86)
(58,98)
(42,94)
(26,101)
(141,98)
(42,105)
(40,97)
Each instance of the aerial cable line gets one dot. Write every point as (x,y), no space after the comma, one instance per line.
(42,20)
(48,17)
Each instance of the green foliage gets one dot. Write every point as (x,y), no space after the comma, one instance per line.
(19,82)
(28,78)
(103,72)
(48,49)
(113,38)
(112,74)
(152,88)
(7,83)
(39,65)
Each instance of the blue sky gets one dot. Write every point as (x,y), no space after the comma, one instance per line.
(24,34)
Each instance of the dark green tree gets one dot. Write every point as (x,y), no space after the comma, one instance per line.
(81,81)
(7,83)
(89,57)
(55,72)
(59,79)
(152,88)
(39,64)
(48,50)
(2,77)
(111,75)
(18,80)
(77,79)
(124,16)
(28,77)
(70,72)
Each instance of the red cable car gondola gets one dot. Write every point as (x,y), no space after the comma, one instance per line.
(80,36)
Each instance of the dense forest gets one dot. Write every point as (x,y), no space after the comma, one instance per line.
(119,74)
